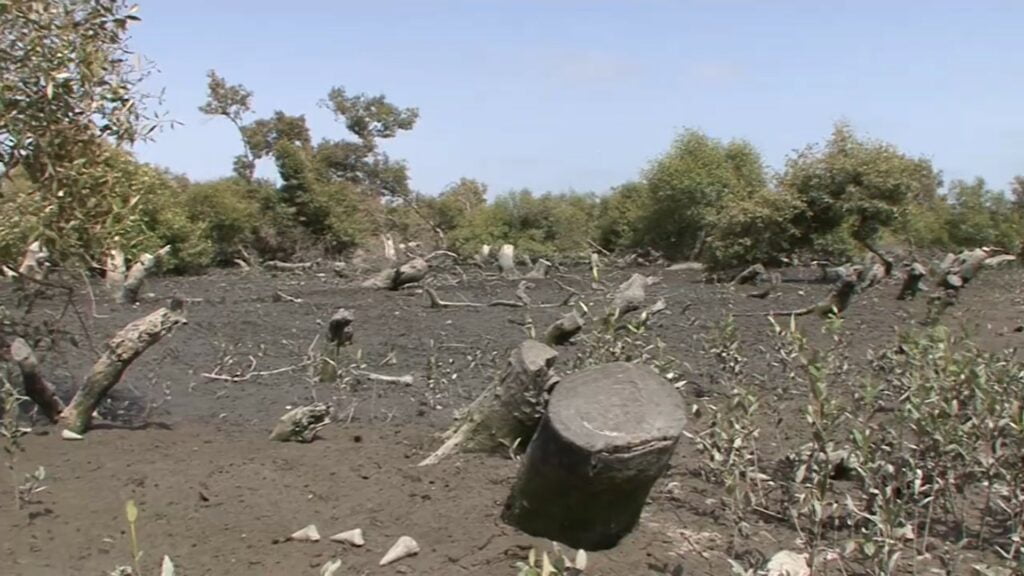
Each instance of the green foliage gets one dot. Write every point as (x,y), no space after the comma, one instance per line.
(458,203)
(620,216)
(979,216)
(689,185)
(752,229)
(859,184)
(69,91)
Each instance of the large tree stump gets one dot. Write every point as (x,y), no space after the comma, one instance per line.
(508,410)
(120,352)
(608,435)
(912,278)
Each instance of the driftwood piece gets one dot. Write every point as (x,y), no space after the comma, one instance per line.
(608,435)
(912,278)
(288,266)
(509,410)
(837,301)
(120,351)
(302,423)
(36,262)
(507,261)
(751,275)
(412,271)
(36,388)
(564,329)
(135,278)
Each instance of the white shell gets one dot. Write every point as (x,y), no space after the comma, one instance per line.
(353,537)
(307,534)
(403,548)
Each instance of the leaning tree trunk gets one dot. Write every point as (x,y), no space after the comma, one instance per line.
(129,293)
(608,435)
(508,410)
(36,388)
(120,352)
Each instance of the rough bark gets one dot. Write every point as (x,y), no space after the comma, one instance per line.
(751,275)
(36,388)
(35,263)
(412,271)
(629,296)
(508,410)
(139,272)
(564,329)
(507,261)
(339,328)
(302,424)
(608,435)
(119,353)
(912,278)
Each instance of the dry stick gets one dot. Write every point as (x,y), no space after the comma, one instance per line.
(121,351)
(92,297)
(408,379)
(253,374)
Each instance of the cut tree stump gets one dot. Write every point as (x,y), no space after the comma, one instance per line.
(541,269)
(912,281)
(630,296)
(36,388)
(339,328)
(36,262)
(564,329)
(508,410)
(119,353)
(507,261)
(608,435)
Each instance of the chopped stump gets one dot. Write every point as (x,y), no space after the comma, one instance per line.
(608,435)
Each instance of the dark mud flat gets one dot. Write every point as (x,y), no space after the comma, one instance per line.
(215,494)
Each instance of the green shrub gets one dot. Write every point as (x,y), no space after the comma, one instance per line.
(757,228)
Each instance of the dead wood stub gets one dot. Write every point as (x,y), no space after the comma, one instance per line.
(563,330)
(302,424)
(509,410)
(608,435)
(37,389)
(339,328)
(912,278)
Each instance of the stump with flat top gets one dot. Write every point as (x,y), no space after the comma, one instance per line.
(607,436)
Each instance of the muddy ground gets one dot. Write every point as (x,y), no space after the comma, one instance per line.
(216,495)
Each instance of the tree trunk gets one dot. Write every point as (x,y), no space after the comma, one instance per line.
(120,352)
(137,275)
(564,329)
(508,410)
(484,255)
(389,248)
(116,270)
(36,388)
(507,261)
(608,435)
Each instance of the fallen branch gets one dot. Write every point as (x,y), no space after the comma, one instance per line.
(288,266)
(408,379)
(145,265)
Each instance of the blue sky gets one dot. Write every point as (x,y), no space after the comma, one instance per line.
(582,94)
